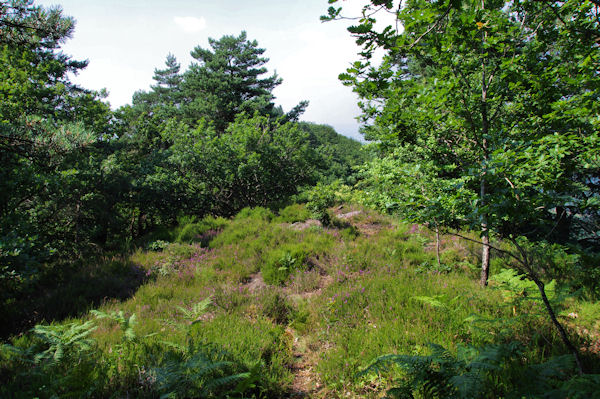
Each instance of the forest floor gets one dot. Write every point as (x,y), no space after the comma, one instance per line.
(307,307)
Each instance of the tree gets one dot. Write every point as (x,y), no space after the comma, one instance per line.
(163,101)
(22,23)
(227,80)
(256,162)
(48,127)
(341,155)
(498,102)
(466,85)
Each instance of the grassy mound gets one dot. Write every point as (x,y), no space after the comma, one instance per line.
(262,309)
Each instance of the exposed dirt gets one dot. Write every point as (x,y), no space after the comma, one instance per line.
(366,227)
(345,216)
(255,283)
(306,383)
(306,224)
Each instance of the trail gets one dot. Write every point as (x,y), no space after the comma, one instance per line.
(306,383)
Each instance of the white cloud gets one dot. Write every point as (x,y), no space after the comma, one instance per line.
(190,24)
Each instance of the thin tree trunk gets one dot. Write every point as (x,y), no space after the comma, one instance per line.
(485,260)
(437,245)
(561,329)
(528,270)
(485,237)
(541,288)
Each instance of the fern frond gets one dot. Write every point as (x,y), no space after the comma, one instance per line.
(385,362)
(225,381)
(61,339)
(180,348)
(433,301)
(8,350)
(127,324)
(197,310)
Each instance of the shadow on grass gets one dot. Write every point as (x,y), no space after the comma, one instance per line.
(67,290)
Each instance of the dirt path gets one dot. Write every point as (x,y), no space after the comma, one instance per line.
(306,383)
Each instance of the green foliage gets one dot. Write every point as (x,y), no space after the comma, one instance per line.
(294,213)
(67,362)
(227,81)
(197,310)
(489,371)
(60,339)
(256,215)
(507,152)
(158,245)
(202,231)
(276,306)
(187,374)
(256,162)
(431,267)
(62,290)
(49,131)
(320,199)
(282,262)
(516,286)
(126,324)
(56,360)
(340,154)
(210,327)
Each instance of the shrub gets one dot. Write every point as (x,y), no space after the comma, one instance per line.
(281,262)
(258,213)
(294,213)
(180,251)
(200,231)
(158,245)
(320,198)
(275,306)
(482,372)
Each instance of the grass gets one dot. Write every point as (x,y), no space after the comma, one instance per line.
(325,301)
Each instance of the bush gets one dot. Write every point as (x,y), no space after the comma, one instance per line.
(482,372)
(62,361)
(275,306)
(294,213)
(258,213)
(320,198)
(280,263)
(200,231)
(158,245)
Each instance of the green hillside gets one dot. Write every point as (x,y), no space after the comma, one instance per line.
(275,305)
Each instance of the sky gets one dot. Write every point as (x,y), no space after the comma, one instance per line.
(125,41)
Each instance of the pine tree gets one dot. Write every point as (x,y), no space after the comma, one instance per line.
(227,80)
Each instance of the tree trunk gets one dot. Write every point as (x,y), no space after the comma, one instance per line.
(485,256)
(437,246)
(485,236)
(561,329)
(532,275)
(485,127)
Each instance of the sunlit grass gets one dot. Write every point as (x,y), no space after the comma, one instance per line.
(342,295)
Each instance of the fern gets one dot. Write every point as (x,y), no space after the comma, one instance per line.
(127,324)
(194,375)
(194,314)
(60,339)
(517,287)
(490,371)
(433,301)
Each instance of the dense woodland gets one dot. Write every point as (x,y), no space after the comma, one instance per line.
(204,242)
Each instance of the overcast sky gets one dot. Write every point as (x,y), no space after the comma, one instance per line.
(126,40)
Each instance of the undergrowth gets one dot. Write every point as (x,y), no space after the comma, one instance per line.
(229,313)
